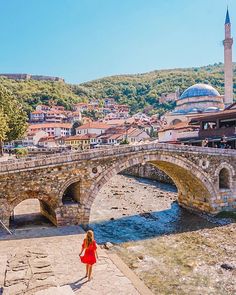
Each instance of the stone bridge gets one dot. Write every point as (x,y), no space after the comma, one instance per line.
(67,184)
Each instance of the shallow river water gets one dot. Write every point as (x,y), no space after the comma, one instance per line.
(171,250)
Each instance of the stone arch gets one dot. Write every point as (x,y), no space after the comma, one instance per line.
(195,189)
(47,206)
(224,179)
(70,191)
(224,174)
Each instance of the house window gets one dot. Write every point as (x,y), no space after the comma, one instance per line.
(224,179)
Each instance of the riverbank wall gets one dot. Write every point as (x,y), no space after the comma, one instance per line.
(148,171)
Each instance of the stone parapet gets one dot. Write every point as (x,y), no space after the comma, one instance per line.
(55,159)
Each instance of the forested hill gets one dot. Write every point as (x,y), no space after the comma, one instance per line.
(145,89)
(139,91)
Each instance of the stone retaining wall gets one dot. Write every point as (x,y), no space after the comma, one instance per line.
(148,171)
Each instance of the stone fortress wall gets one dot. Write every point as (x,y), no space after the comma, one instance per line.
(32,77)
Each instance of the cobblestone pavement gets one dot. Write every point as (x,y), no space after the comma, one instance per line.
(30,264)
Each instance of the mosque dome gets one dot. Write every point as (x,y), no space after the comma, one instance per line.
(199,90)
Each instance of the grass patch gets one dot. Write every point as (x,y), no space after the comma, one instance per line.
(227,214)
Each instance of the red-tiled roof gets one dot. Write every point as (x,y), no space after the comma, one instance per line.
(80,137)
(55,112)
(94,125)
(48,138)
(181,125)
(116,136)
(120,121)
(38,112)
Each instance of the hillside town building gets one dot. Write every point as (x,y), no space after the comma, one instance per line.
(108,109)
(53,129)
(118,134)
(80,142)
(54,114)
(47,142)
(178,132)
(92,128)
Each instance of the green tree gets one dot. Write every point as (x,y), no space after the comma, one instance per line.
(74,126)
(21,152)
(3,130)
(124,141)
(93,114)
(15,121)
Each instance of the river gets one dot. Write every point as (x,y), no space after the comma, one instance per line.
(172,250)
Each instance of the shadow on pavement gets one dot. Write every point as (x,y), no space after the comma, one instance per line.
(78,284)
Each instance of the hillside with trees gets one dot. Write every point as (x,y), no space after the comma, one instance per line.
(140,91)
(32,93)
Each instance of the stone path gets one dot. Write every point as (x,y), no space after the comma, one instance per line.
(45,263)
(28,272)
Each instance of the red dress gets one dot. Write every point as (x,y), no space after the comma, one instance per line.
(89,254)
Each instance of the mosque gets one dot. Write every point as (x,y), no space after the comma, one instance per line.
(203,98)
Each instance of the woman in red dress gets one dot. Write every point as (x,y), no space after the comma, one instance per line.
(90,254)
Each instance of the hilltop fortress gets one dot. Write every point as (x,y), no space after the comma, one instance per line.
(31,77)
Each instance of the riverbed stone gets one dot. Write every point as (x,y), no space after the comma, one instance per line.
(108,245)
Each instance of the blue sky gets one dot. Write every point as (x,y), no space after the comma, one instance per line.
(82,40)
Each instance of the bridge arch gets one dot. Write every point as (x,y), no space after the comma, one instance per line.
(194,187)
(69,192)
(47,204)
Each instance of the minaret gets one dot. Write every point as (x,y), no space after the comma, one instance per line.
(228,64)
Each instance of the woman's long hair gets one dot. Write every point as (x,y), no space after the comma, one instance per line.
(89,238)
